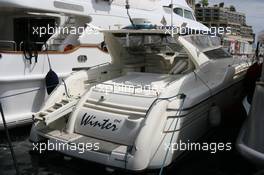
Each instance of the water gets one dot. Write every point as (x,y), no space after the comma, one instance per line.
(204,163)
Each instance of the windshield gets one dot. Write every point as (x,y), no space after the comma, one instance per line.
(204,42)
(149,44)
(217,54)
(210,45)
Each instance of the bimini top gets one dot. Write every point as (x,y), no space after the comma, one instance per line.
(125,44)
(138,42)
(159,37)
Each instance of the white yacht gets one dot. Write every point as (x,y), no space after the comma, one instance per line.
(24,61)
(157,91)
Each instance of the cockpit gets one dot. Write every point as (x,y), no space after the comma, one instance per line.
(149,53)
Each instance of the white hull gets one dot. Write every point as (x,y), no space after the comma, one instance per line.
(192,126)
(133,129)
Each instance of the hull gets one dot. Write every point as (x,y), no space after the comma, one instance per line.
(22,86)
(148,149)
(191,125)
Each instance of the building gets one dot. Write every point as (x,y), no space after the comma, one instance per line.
(241,38)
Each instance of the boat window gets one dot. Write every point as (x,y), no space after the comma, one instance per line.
(188,14)
(23,30)
(219,53)
(178,11)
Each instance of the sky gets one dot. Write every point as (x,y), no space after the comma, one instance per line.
(254,10)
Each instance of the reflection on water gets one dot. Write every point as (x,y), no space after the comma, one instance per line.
(53,163)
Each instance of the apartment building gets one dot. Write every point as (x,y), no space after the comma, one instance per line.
(241,38)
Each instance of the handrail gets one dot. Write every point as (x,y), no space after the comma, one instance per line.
(10,42)
(181,96)
(92,67)
(38,43)
(99,65)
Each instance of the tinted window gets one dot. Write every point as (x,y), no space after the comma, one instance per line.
(178,11)
(188,14)
(217,54)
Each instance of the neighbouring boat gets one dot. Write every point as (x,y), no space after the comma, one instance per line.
(250,140)
(159,90)
(27,25)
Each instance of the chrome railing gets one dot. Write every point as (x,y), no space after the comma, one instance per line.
(13,43)
(37,43)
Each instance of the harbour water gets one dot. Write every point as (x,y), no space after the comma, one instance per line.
(205,163)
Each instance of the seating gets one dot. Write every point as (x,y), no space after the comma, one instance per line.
(157,64)
(179,67)
(180,64)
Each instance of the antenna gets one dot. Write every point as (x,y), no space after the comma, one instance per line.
(127,8)
(171,14)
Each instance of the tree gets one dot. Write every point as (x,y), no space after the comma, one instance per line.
(204,3)
(232,8)
(222,4)
(198,5)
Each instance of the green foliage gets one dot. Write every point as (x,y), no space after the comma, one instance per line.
(204,3)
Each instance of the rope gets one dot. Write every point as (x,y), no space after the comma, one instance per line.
(171,140)
(9,140)
(66,89)
(128,14)
(47,52)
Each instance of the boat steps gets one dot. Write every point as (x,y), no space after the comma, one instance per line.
(114,108)
(56,111)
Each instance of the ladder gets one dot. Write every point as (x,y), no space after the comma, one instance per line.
(56,111)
